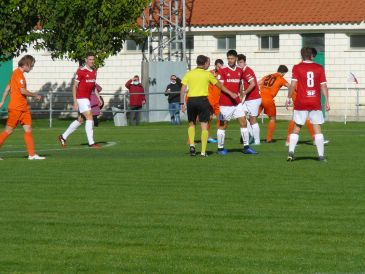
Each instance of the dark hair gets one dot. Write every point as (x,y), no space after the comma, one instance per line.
(241,57)
(201,60)
(232,52)
(306,53)
(283,69)
(26,60)
(314,52)
(218,61)
(90,54)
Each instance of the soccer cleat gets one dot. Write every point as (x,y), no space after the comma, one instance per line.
(290,156)
(62,141)
(222,151)
(248,150)
(36,157)
(322,159)
(192,150)
(212,140)
(95,145)
(205,155)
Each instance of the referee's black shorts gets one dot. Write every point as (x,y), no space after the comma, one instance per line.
(198,107)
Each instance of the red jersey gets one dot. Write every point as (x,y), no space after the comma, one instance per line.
(249,75)
(86,78)
(231,79)
(309,77)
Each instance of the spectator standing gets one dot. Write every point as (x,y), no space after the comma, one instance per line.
(173,93)
(136,99)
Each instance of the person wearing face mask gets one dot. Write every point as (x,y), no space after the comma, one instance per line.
(136,99)
(173,93)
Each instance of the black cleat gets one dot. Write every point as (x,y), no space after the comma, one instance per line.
(290,157)
(322,159)
(192,150)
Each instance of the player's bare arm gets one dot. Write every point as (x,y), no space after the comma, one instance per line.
(74,91)
(292,87)
(182,97)
(5,94)
(250,87)
(30,94)
(227,91)
(324,90)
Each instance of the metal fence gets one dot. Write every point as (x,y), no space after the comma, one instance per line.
(347,104)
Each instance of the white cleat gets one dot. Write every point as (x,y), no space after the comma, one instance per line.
(36,157)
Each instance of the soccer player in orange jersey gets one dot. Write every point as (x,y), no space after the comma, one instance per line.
(269,88)
(18,108)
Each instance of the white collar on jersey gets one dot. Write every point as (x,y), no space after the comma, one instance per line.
(308,61)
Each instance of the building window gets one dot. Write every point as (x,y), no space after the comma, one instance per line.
(269,42)
(189,44)
(226,43)
(131,45)
(314,40)
(357,41)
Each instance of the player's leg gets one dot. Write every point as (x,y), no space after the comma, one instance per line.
(270,110)
(225,116)
(11,124)
(299,118)
(71,129)
(177,119)
(253,108)
(193,112)
(26,121)
(317,119)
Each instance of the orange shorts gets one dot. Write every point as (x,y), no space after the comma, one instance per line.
(269,107)
(16,117)
(215,109)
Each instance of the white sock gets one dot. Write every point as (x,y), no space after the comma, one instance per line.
(249,127)
(221,133)
(293,140)
(89,131)
(319,139)
(245,136)
(256,133)
(71,128)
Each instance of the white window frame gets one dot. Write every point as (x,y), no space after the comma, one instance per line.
(227,42)
(270,48)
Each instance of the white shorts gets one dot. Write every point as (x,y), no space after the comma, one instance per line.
(84,105)
(228,113)
(315,116)
(253,107)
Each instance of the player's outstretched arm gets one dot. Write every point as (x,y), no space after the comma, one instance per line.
(30,94)
(74,92)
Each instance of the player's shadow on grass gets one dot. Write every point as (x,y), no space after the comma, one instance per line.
(99,143)
(304,158)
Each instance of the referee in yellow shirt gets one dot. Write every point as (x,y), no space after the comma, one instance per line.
(198,80)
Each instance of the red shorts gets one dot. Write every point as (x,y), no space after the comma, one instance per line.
(16,117)
(268,104)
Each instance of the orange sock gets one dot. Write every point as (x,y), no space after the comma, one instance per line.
(290,129)
(3,136)
(270,130)
(310,128)
(28,139)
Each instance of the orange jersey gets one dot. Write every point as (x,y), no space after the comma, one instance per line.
(18,101)
(271,84)
(214,94)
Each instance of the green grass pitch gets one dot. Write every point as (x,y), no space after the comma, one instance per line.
(141,204)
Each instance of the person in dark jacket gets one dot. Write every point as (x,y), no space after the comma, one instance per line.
(136,99)
(173,93)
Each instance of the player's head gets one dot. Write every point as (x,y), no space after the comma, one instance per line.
(26,62)
(203,61)
(241,60)
(90,59)
(231,57)
(314,53)
(283,69)
(218,64)
(307,53)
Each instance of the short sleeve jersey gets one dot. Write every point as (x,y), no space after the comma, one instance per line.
(198,81)
(231,79)
(248,76)
(18,101)
(271,84)
(87,79)
(309,77)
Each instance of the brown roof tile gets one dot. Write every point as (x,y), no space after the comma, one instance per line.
(272,12)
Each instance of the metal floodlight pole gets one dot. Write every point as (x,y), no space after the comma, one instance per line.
(184,30)
(150,26)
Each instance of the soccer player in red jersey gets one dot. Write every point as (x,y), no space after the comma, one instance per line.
(83,86)
(309,79)
(251,96)
(231,77)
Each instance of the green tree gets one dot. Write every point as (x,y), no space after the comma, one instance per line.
(18,19)
(71,28)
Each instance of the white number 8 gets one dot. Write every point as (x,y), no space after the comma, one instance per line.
(310,79)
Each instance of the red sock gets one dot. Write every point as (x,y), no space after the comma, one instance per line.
(3,136)
(270,130)
(28,139)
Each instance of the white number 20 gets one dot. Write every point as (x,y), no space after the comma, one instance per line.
(310,79)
